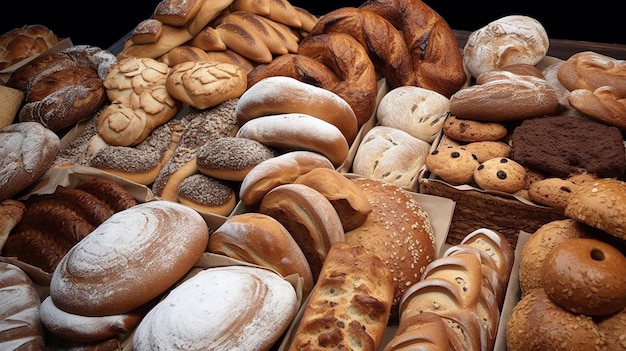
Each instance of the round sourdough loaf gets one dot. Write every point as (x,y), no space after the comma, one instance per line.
(21,328)
(128,260)
(399,231)
(223,308)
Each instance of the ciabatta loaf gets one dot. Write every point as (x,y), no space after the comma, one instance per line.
(349,307)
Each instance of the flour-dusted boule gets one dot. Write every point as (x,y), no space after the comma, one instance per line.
(223,308)
(128,260)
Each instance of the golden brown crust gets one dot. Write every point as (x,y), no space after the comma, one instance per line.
(346,197)
(384,43)
(600,204)
(24,42)
(537,322)
(399,231)
(147,31)
(260,239)
(349,60)
(350,304)
(591,70)
(309,217)
(438,64)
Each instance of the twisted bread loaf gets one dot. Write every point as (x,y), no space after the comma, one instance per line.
(384,43)
(435,55)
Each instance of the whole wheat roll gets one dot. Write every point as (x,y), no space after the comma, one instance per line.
(281,94)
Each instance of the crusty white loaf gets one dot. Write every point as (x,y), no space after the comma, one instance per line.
(223,308)
(129,259)
(298,131)
(350,304)
(20,327)
(507,40)
(391,155)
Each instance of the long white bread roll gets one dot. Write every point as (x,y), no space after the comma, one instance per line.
(298,131)
(281,94)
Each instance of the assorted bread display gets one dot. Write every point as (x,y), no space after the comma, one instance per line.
(245,175)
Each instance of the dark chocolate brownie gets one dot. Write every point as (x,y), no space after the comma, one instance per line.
(563,145)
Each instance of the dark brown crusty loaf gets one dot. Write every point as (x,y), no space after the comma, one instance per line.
(350,304)
(435,55)
(53,223)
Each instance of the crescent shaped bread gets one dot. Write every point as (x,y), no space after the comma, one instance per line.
(298,131)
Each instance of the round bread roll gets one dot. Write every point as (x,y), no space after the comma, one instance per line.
(600,204)
(585,275)
(131,258)
(537,323)
(21,327)
(134,74)
(309,217)
(399,231)
(82,328)
(508,40)
(205,84)
(282,169)
(414,110)
(281,95)
(298,131)
(391,155)
(539,246)
(249,308)
(231,158)
(28,150)
(590,70)
(207,194)
(262,240)
(346,197)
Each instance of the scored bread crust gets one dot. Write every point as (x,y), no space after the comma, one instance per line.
(350,304)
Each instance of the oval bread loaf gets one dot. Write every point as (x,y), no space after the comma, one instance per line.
(131,258)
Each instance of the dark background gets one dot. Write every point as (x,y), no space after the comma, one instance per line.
(102,24)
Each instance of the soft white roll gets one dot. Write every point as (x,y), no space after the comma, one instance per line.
(391,155)
(417,111)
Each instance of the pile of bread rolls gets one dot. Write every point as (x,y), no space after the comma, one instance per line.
(456,303)
(571,278)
